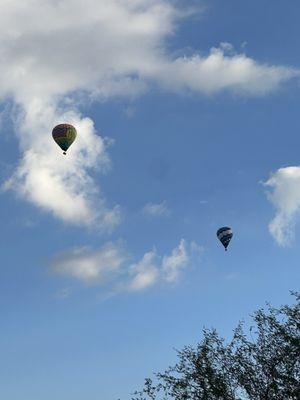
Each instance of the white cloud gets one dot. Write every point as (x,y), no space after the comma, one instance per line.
(145,273)
(89,265)
(155,269)
(109,266)
(61,184)
(219,71)
(55,54)
(285,196)
(111,47)
(156,209)
(173,263)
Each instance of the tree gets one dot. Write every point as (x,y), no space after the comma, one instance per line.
(262,364)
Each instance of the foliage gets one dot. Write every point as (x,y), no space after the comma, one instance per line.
(262,364)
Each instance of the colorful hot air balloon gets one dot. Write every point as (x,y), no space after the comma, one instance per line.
(64,135)
(225,235)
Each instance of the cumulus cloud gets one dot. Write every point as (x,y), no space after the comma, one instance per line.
(284,194)
(220,70)
(156,209)
(110,266)
(59,184)
(57,54)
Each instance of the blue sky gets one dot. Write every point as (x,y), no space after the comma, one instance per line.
(188,117)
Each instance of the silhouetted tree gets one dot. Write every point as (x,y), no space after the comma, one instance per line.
(262,364)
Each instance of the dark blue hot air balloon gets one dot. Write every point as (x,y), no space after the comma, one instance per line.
(225,235)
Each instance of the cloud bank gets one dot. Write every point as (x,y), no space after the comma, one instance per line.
(56,55)
(109,266)
(285,196)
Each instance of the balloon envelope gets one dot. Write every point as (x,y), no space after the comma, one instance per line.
(64,135)
(225,235)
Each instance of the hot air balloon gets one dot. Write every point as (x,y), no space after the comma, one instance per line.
(64,135)
(225,235)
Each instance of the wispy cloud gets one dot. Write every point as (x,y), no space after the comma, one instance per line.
(284,194)
(173,263)
(109,266)
(156,209)
(57,55)
(89,265)
(143,274)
